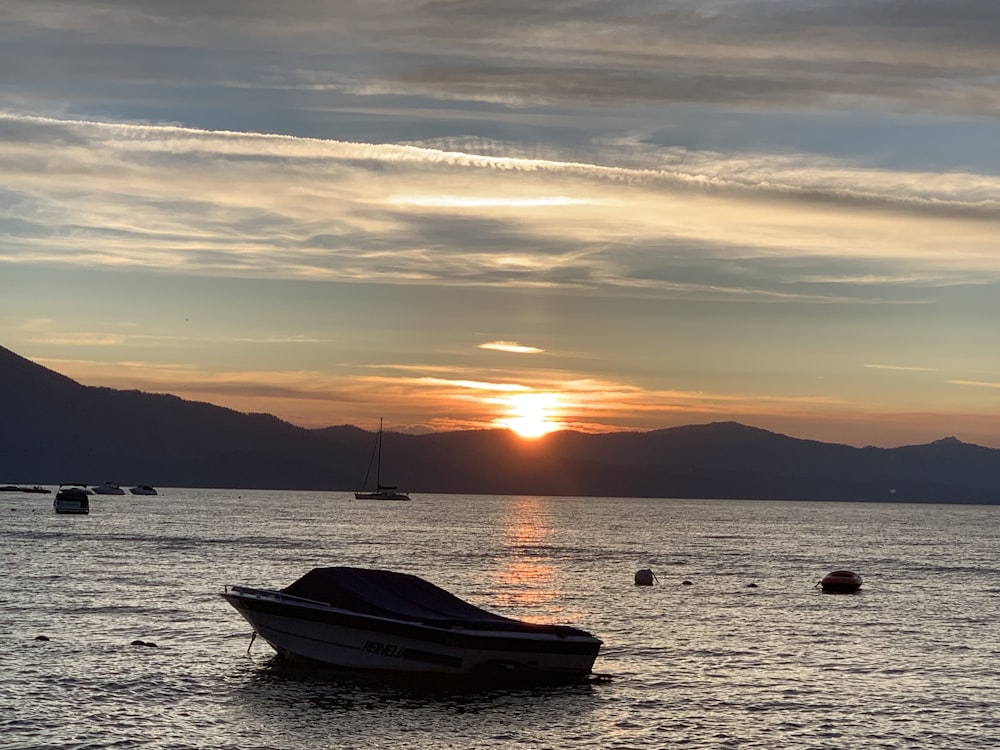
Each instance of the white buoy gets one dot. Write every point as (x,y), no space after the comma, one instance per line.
(644,577)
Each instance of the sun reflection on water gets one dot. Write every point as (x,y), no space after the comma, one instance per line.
(525,579)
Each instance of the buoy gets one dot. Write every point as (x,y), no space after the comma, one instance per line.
(41,637)
(841,582)
(751,585)
(686,583)
(644,577)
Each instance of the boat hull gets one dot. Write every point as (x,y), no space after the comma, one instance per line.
(77,506)
(381,496)
(72,499)
(299,629)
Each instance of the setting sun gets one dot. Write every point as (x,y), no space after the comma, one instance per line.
(531,414)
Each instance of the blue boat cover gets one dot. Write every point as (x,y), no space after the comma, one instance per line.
(401,596)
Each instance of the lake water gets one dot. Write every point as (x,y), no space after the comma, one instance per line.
(911,661)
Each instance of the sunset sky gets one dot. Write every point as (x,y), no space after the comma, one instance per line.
(577,214)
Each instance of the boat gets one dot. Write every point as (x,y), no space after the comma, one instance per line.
(841,582)
(381,491)
(72,498)
(18,488)
(385,622)
(143,489)
(108,488)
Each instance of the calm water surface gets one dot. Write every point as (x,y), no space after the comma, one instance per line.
(909,662)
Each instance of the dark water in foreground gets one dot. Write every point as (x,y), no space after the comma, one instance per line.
(911,661)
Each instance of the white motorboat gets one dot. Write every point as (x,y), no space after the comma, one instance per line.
(72,498)
(108,488)
(381,491)
(841,582)
(143,489)
(389,622)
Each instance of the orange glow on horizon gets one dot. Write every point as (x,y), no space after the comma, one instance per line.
(531,414)
(546,403)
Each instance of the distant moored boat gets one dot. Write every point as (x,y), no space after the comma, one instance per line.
(381,491)
(143,489)
(72,498)
(108,488)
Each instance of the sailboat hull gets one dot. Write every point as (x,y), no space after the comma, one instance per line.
(381,495)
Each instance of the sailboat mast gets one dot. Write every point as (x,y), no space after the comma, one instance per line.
(378,462)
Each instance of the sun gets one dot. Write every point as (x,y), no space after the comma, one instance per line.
(530,414)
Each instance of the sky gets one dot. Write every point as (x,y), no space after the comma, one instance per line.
(595,215)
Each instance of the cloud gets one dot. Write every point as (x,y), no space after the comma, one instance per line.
(235,204)
(510,346)
(750,53)
(825,56)
(902,368)
(126,333)
(975,383)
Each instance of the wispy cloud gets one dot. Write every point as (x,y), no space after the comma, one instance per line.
(511,346)
(754,54)
(903,368)
(252,205)
(976,383)
(49,332)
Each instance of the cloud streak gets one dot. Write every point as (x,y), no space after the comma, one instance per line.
(750,54)
(511,346)
(243,204)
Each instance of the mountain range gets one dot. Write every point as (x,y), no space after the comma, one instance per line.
(54,429)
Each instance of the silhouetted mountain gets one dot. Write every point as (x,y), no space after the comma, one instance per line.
(57,430)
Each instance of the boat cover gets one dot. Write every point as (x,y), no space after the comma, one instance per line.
(401,596)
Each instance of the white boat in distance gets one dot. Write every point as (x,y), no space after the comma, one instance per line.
(381,491)
(389,622)
(108,488)
(143,489)
(72,498)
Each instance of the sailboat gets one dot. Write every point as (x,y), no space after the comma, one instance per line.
(381,491)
